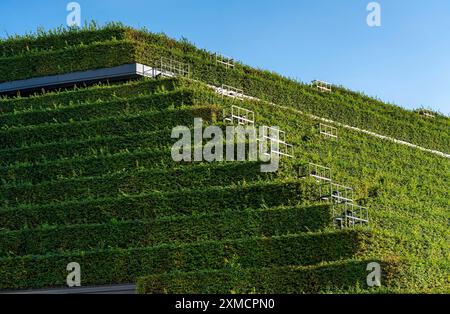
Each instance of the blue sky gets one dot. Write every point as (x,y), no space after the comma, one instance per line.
(406,61)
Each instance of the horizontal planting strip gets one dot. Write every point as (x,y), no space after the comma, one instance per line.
(78,96)
(133,183)
(60,39)
(156,204)
(94,56)
(100,109)
(97,165)
(327,278)
(97,146)
(152,121)
(121,266)
(216,226)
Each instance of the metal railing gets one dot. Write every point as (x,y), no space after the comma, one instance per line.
(321,85)
(350,215)
(169,67)
(328,130)
(228,62)
(232,92)
(240,115)
(318,172)
(341,193)
(277,140)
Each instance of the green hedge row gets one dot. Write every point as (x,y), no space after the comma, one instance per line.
(156,204)
(63,38)
(218,226)
(60,38)
(146,122)
(86,167)
(72,59)
(334,277)
(100,109)
(97,146)
(119,266)
(133,183)
(399,275)
(96,165)
(342,107)
(77,96)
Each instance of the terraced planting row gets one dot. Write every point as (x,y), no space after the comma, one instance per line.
(345,276)
(65,98)
(92,147)
(406,192)
(156,204)
(117,125)
(96,165)
(132,183)
(119,266)
(90,111)
(59,39)
(86,166)
(227,224)
(342,276)
(343,106)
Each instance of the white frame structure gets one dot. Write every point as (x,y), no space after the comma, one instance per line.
(169,67)
(284,149)
(328,130)
(322,86)
(341,193)
(228,62)
(427,113)
(350,215)
(232,92)
(320,173)
(241,115)
(341,196)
